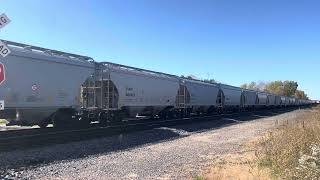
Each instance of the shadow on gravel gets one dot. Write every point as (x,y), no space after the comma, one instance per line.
(22,159)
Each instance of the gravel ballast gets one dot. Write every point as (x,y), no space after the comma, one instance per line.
(177,152)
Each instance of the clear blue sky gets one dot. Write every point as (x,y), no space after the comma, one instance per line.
(232,41)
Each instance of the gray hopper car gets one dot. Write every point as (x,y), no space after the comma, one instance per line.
(262,100)
(40,81)
(45,86)
(250,99)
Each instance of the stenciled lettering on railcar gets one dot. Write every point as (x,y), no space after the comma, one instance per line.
(130,92)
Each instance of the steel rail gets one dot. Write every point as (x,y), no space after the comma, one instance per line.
(34,131)
(63,136)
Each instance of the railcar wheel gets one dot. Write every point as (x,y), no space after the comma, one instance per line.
(103,118)
(43,124)
(220,111)
(63,118)
(84,121)
(163,115)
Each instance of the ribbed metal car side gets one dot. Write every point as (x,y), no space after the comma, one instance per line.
(283,101)
(202,95)
(140,91)
(271,100)
(277,101)
(250,98)
(262,99)
(232,96)
(38,83)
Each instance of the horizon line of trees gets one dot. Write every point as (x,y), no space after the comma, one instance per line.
(195,78)
(281,88)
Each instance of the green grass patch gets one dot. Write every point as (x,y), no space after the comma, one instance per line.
(198,178)
(3,121)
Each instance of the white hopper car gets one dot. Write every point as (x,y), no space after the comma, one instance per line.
(231,97)
(40,81)
(43,86)
(202,97)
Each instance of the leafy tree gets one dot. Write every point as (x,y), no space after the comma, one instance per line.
(301,94)
(244,86)
(275,87)
(290,88)
(281,88)
(252,86)
(189,76)
(209,81)
(261,86)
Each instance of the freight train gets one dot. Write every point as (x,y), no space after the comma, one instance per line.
(42,86)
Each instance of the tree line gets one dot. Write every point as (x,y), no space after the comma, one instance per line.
(281,88)
(195,78)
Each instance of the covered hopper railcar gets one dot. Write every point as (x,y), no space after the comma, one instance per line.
(46,86)
(231,97)
(283,101)
(277,101)
(249,98)
(131,91)
(40,81)
(271,100)
(203,96)
(262,100)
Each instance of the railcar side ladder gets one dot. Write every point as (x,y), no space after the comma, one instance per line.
(91,89)
(109,96)
(99,91)
(182,97)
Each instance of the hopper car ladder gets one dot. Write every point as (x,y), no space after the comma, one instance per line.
(182,98)
(90,89)
(99,90)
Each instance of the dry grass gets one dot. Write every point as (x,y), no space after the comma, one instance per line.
(238,167)
(293,151)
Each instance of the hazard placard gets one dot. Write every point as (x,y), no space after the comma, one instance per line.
(4,50)
(4,20)
(2,74)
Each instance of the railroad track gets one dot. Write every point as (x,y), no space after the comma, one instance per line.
(30,138)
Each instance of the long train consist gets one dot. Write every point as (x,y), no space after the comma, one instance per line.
(43,86)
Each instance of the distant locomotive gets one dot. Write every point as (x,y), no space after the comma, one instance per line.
(43,86)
